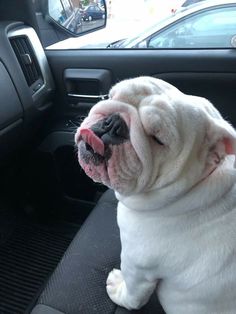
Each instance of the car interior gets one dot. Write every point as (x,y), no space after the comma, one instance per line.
(58,233)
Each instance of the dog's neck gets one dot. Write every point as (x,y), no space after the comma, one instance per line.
(212,187)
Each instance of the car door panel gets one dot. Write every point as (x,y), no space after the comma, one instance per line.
(204,41)
(208,73)
(218,87)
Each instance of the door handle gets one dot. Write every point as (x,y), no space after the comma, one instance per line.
(91,97)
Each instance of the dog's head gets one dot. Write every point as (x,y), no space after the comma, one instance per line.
(149,135)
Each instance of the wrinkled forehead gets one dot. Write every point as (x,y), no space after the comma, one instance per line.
(203,105)
(171,108)
(133,91)
(181,112)
(157,112)
(163,105)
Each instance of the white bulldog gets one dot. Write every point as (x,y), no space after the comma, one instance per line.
(168,156)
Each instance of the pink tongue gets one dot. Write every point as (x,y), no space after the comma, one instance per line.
(93,140)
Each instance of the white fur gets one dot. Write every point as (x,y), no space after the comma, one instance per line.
(186,248)
(177,216)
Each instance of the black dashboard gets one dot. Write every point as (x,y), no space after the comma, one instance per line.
(26,85)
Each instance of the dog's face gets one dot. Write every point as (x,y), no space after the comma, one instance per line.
(149,135)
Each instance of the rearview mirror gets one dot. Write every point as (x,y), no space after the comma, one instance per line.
(77,16)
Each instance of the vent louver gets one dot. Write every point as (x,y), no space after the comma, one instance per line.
(26,58)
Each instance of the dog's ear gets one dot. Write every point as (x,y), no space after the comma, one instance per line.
(222,139)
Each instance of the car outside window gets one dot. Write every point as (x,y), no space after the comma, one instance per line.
(211,29)
(152,24)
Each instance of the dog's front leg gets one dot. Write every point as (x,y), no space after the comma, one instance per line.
(128,289)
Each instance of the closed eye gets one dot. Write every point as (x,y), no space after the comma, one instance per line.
(157,140)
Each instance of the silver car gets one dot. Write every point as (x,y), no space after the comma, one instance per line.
(207,24)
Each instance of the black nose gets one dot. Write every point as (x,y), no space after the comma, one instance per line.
(112,129)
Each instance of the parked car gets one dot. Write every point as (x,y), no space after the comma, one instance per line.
(206,24)
(93,12)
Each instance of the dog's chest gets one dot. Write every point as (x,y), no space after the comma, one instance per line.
(152,242)
(171,247)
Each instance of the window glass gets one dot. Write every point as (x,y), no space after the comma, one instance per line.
(210,29)
(140,24)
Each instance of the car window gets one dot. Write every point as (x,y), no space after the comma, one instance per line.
(210,29)
(147,24)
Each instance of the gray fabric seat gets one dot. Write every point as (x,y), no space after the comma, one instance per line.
(78,283)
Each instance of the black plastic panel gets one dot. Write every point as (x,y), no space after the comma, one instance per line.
(209,73)
(10,138)
(21,112)
(10,106)
(87,81)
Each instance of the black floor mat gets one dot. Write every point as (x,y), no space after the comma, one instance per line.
(29,252)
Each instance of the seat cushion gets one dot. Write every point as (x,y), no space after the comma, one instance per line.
(78,285)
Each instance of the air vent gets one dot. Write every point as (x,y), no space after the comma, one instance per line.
(27,59)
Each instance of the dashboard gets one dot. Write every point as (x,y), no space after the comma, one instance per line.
(26,85)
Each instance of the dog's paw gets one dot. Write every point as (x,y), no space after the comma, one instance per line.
(130,299)
(116,287)
(114,283)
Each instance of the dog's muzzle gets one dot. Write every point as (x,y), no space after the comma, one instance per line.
(111,130)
